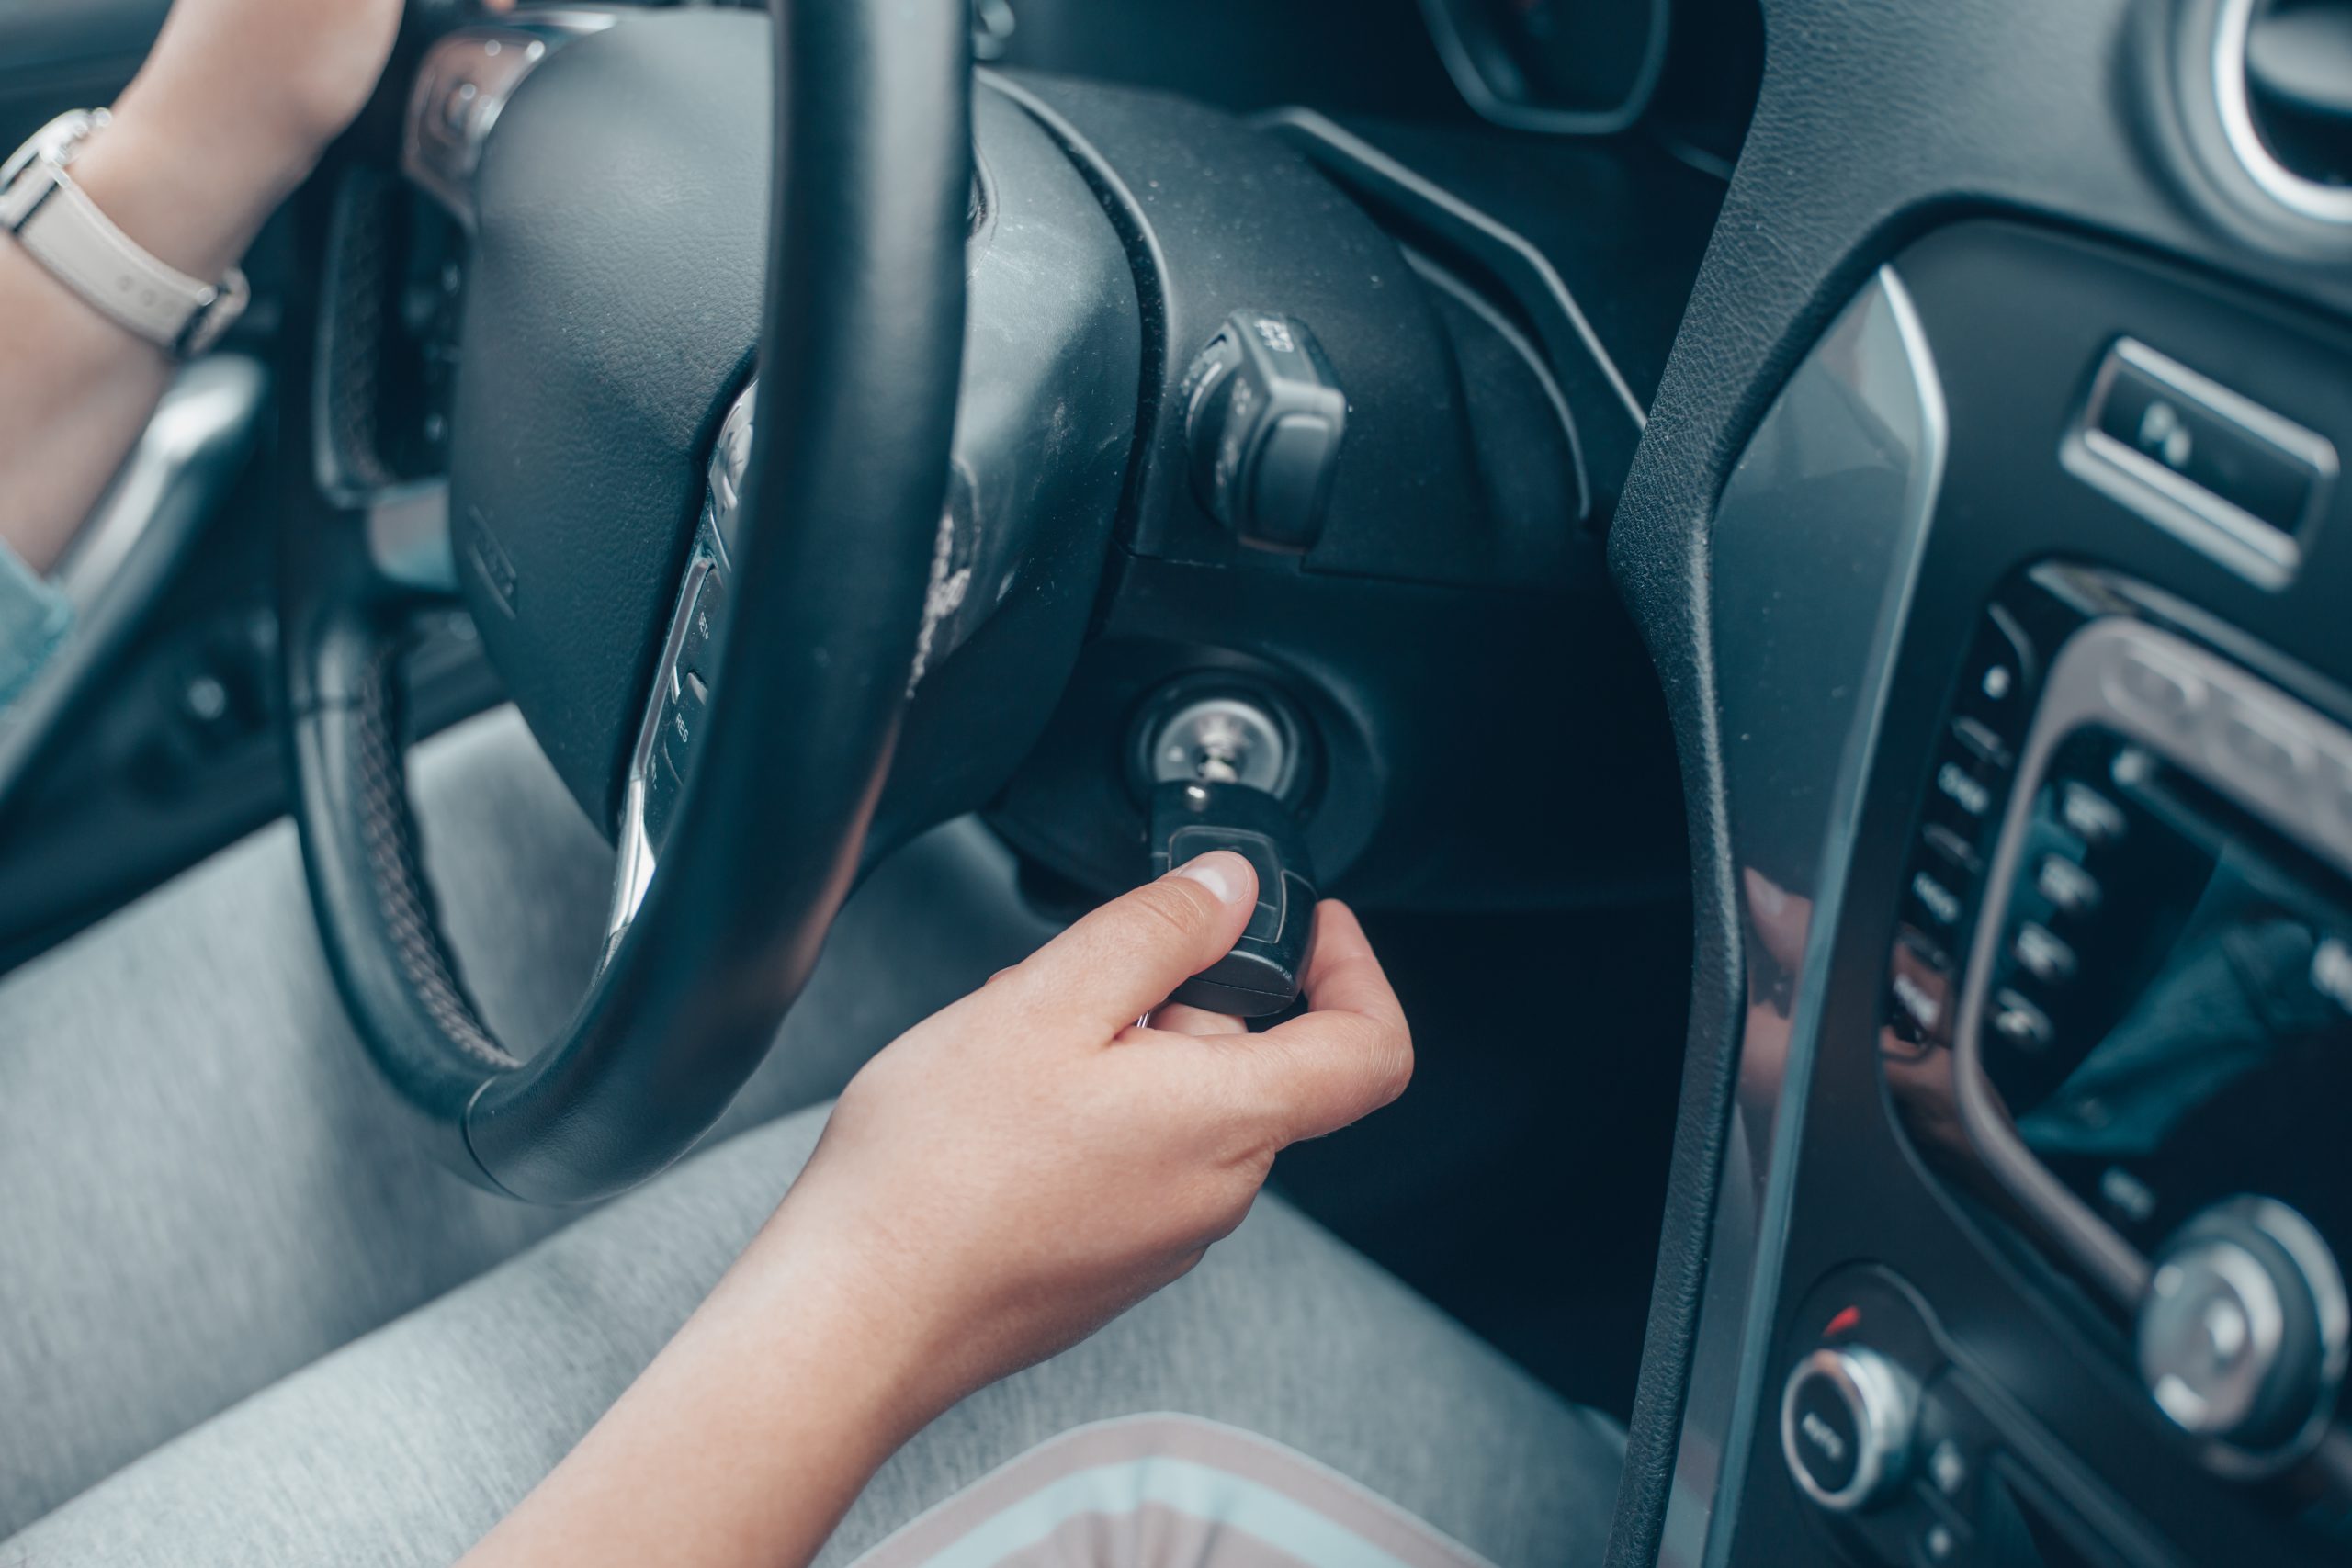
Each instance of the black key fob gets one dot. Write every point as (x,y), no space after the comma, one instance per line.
(1260,976)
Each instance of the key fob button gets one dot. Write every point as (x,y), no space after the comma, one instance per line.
(1261,975)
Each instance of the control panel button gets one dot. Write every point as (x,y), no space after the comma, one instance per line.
(1981,740)
(2173,420)
(2270,755)
(682,722)
(2000,666)
(1264,418)
(1939,904)
(2067,886)
(2042,954)
(1949,1469)
(1846,1418)
(695,643)
(1956,853)
(2158,690)
(2241,1334)
(662,787)
(1939,1544)
(1958,783)
(1920,983)
(2020,1024)
(2090,816)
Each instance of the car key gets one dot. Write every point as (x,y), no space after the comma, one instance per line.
(1261,975)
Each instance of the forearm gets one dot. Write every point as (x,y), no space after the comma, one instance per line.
(190,173)
(749,1436)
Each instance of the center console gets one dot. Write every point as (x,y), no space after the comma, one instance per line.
(2039,1196)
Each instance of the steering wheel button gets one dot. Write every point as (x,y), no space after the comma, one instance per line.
(702,626)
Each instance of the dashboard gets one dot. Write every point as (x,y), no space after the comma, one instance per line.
(2027,681)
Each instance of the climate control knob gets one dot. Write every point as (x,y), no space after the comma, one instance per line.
(2242,1333)
(1847,1415)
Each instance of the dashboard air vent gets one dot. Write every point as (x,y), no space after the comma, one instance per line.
(2283,73)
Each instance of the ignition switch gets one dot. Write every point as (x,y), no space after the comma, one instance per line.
(1220,767)
(1263,419)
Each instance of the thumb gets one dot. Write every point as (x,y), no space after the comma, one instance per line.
(1123,959)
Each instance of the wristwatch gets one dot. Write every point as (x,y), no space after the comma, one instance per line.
(62,228)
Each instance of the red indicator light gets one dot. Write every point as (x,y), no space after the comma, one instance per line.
(1845,1322)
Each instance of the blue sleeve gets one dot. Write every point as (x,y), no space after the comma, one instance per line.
(34,617)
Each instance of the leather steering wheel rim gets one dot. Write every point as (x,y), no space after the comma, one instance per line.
(860,350)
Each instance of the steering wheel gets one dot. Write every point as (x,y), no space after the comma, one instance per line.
(583,422)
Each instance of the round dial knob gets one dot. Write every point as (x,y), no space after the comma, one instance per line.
(1846,1418)
(2241,1332)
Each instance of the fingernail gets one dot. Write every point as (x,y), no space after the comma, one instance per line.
(1222,871)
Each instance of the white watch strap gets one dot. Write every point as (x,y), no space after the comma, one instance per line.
(62,228)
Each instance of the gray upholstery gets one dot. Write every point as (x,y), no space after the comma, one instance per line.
(206,1201)
(203,1189)
(407,1445)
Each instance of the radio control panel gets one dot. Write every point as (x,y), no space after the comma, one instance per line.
(2118,1007)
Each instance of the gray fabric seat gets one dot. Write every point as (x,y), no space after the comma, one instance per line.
(406,1446)
(204,1199)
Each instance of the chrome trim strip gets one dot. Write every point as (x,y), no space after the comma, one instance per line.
(2233,25)
(1813,652)
(161,498)
(2256,549)
(723,496)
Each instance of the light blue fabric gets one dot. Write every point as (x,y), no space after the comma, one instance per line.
(1203,1491)
(34,618)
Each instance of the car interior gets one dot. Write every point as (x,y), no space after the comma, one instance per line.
(1779,552)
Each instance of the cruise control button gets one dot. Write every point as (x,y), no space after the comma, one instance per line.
(662,787)
(702,626)
(2042,955)
(681,721)
(2068,887)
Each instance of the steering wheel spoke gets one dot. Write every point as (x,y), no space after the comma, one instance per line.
(678,699)
(464,84)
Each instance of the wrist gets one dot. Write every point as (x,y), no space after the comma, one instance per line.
(825,1293)
(190,185)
